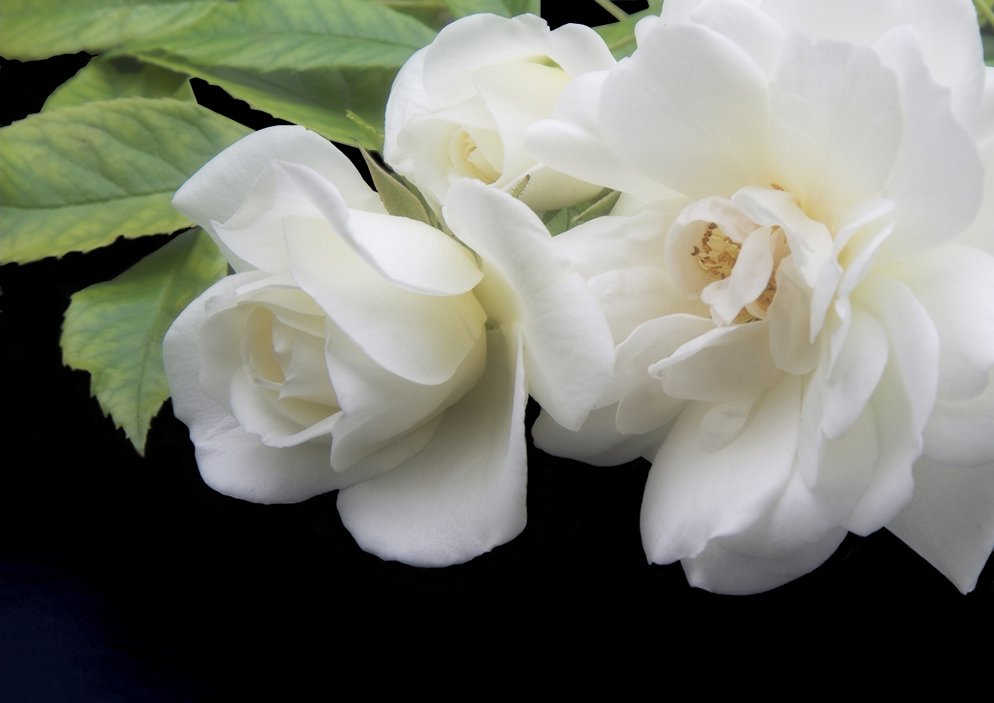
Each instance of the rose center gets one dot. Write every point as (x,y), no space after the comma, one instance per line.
(727,252)
(469,160)
(716,253)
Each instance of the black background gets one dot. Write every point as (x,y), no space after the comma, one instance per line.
(125,578)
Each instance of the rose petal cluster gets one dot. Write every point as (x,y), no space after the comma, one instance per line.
(355,350)
(788,311)
(798,278)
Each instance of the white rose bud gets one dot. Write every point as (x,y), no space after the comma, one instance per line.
(460,106)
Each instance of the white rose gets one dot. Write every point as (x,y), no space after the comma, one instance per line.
(371,353)
(806,341)
(460,106)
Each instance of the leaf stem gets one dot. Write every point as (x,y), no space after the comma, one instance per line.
(985,11)
(615,11)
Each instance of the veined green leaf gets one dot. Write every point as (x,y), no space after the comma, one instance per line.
(108,77)
(507,8)
(37,29)
(433,13)
(76,178)
(114,330)
(303,62)
(620,36)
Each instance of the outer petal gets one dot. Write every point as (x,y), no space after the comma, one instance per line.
(836,126)
(937,179)
(956,287)
(693,496)
(464,494)
(568,349)
(573,142)
(597,442)
(704,101)
(411,254)
(950,519)
(902,402)
(959,432)
(725,567)
(216,191)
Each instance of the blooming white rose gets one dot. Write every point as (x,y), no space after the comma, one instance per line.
(357,350)
(803,298)
(460,106)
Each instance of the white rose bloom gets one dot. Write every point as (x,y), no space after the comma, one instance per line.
(356,350)
(460,106)
(803,304)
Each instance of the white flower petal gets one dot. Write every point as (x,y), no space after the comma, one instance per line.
(746,25)
(725,567)
(959,433)
(568,349)
(606,244)
(902,403)
(836,125)
(419,337)
(597,442)
(852,379)
(727,363)
(377,406)
(937,179)
(217,190)
(464,494)
(693,496)
(572,142)
(704,101)
(950,519)
(955,284)
(789,319)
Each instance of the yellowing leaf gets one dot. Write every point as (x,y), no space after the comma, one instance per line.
(77,178)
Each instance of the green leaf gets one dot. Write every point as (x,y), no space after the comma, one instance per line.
(620,36)
(433,13)
(105,78)
(76,178)
(304,62)
(114,330)
(396,193)
(506,8)
(37,29)
(988,38)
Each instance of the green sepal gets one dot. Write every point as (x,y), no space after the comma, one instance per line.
(397,194)
(559,221)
